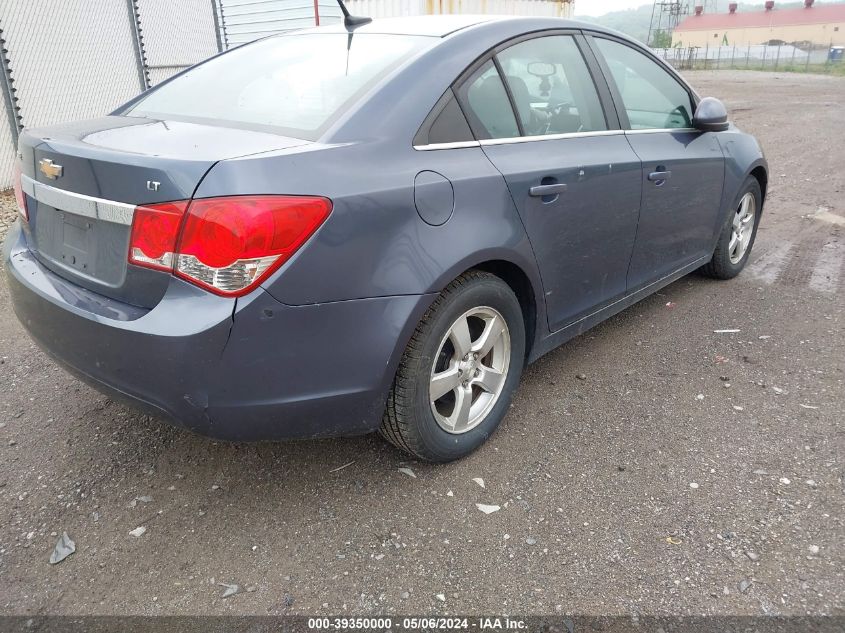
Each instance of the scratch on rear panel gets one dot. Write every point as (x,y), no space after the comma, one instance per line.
(231,327)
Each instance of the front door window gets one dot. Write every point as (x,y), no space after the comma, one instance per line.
(652,98)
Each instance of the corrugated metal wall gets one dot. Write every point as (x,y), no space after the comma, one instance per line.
(395,8)
(247,20)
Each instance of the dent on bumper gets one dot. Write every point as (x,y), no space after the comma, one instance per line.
(246,370)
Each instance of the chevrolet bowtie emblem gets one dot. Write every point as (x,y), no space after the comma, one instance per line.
(50,169)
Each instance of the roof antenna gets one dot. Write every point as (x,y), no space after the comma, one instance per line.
(351,21)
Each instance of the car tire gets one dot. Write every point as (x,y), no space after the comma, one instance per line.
(727,261)
(442,428)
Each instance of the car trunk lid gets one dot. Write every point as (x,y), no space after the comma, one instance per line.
(83,181)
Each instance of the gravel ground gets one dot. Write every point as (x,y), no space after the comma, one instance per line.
(689,472)
(8,211)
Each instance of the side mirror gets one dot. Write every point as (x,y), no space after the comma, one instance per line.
(710,116)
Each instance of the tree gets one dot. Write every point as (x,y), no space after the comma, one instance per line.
(661,39)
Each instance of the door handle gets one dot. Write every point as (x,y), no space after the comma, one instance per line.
(659,176)
(547,190)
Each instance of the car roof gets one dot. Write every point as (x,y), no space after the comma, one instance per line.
(438,25)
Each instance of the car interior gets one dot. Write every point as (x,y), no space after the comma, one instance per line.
(549,84)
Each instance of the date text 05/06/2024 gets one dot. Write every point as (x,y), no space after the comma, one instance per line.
(492,623)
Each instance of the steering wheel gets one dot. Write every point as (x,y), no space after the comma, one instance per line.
(555,111)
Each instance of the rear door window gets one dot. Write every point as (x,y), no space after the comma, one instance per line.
(445,124)
(487,105)
(652,97)
(295,84)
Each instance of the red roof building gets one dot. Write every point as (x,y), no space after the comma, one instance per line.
(817,24)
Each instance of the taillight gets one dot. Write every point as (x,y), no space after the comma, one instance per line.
(155,230)
(225,245)
(19,195)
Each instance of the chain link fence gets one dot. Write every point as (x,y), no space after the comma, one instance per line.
(175,35)
(8,117)
(780,57)
(80,59)
(83,58)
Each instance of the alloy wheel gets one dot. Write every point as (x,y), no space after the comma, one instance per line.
(743,228)
(470,370)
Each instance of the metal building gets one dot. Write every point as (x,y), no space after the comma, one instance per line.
(245,20)
(823,25)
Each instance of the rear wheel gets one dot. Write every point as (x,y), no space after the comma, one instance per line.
(462,364)
(738,234)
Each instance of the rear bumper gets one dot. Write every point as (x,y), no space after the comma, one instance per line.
(245,369)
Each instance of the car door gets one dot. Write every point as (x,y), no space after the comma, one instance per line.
(573,176)
(683,168)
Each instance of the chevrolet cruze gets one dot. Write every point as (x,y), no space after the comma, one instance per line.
(372,226)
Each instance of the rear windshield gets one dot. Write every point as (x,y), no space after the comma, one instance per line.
(295,85)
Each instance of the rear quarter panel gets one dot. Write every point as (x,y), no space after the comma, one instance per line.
(369,273)
(374,243)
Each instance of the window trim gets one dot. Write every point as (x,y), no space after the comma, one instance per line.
(512,140)
(548,137)
(605,96)
(421,138)
(455,145)
(616,95)
(469,113)
(504,79)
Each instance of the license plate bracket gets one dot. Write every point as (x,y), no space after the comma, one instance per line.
(78,245)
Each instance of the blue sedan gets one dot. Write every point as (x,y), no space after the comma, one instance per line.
(374,226)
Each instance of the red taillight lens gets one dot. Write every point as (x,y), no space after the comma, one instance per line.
(19,195)
(155,231)
(230,245)
(226,245)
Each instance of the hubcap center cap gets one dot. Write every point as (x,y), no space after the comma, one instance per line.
(468,366)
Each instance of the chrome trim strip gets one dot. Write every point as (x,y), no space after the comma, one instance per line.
(663,129)
(28,186)
(548,137)
(79,204)
(455,145)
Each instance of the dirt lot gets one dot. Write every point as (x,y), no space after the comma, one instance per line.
(690,473)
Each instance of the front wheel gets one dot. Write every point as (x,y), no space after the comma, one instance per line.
(460,368)
(738,234)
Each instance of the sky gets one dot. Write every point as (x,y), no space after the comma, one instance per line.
(600,7)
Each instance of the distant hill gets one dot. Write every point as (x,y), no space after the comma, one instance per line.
(634,22)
